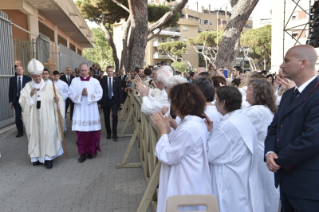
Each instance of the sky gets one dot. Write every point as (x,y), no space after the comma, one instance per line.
(262,10)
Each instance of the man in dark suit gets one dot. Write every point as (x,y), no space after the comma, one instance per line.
(112,99)
(292,143)
(68,79)
(122,77)
(16,84)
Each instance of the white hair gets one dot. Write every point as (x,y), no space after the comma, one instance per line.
(163,74)
(175,80)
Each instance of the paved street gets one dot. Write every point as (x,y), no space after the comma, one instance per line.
(95,185)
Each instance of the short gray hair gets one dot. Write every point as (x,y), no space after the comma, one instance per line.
(206,86)
(163,74)
(175,80)
(83,63)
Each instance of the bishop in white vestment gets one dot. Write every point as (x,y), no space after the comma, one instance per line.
(85,92)
(40,117)
(63,88)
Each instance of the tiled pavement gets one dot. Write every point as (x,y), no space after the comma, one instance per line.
(95,185)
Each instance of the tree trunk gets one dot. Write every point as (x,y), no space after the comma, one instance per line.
(140,35)
(240,13)
(109,38)
(124,57)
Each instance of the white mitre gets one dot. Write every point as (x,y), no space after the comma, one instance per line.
(35,67)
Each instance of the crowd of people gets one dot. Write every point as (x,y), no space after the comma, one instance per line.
(234,134)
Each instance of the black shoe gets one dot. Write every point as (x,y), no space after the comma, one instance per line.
(115,137)
(48,164)
(37,163)
(90,156)
(20,134)
(108,136)
(82,158)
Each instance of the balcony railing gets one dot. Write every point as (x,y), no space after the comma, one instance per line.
(160,56)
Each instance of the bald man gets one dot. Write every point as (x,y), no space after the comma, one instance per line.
(292,142)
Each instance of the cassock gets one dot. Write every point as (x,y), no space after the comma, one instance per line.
(86,117)
(184,168)
(63,88)
(40,117)
(261,117)
(154,104)
(232,157)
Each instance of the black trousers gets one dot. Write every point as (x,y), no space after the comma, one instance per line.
(68,102)
(293,204)
(19,122)
(110,105)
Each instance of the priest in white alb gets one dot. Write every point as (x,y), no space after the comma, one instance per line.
(63,88)
(85,92)
(40,117)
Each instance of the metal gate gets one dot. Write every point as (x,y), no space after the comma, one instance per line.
(6,70)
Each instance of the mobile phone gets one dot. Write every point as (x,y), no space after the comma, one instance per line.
(225,72)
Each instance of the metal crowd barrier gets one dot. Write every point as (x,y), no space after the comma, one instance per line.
(146,136)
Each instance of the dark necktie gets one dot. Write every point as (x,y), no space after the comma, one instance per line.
(110,88)
(19,86)
(296,94)
(68,80)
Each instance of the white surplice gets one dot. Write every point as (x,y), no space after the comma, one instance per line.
(184,168)
(63,88)
(261,117)
(42,125)
(86,115)
(233,163)
(153,104)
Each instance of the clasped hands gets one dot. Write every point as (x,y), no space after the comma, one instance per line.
(271,164)
(84,92)
(161,123)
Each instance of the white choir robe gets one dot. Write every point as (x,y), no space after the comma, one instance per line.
(63,88)
(154,104)
(86,116)
(42,125)
(232,157)
(261,117)
(184,168)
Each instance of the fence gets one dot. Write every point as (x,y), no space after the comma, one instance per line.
(146,137)
(6,69)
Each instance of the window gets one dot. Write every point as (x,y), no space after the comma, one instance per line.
(205,22)
(79,52)
(295,16)
(184,39)
(72,47)
(185,28)
(62,41)
(43,29)
(199,21)
(210,22)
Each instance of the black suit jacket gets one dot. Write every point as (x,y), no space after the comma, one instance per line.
(13,87)
(63,78)
(117,91)
(123,82)
(294,136)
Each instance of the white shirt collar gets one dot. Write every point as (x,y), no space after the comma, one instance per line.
(304,85)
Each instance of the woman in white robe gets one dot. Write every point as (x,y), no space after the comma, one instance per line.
(260,95)
(184,168)
(232,156)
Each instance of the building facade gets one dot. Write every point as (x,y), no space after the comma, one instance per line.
(58,22)
(191,23)
(289,29)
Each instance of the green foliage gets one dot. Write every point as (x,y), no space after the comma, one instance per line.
(102,51)
(180,66)
(207,37)
(259,42)
(176,48)
(92,9)
(155,12)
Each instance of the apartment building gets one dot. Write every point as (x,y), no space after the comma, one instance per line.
(191,22)
(258,23)
(295,19)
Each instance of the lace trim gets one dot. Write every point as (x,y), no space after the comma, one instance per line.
(86,123)
(92,97)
